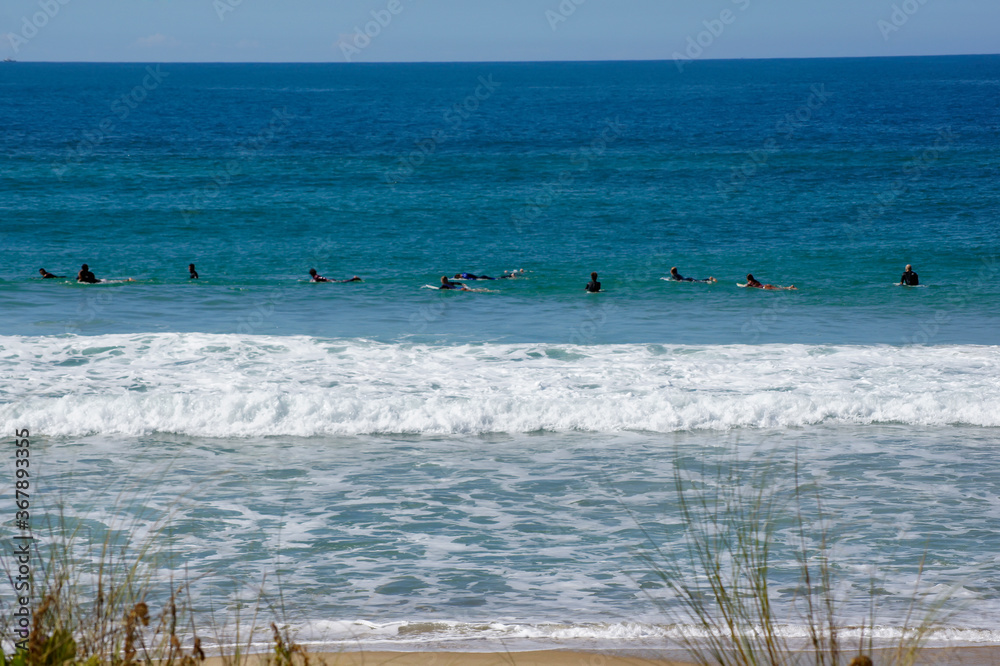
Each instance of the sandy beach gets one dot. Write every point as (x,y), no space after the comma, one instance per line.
(963,656)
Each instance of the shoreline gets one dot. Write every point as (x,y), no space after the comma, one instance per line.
(940,656)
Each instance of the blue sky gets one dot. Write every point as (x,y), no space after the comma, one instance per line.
(487,30)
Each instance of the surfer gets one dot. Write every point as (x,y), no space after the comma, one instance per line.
(471,276)
(194,273)
(593,286)
(48,276)
(909,278)
(677,277)
(86,276)
(512,274)
(316,277)
(751,282)
(448,284)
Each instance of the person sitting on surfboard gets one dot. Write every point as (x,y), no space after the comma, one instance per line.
(909,278)
(86,276)
(47,275)
(677,277)
(448,284)
(316,277)
(593,286)
(194,273)
(751,282)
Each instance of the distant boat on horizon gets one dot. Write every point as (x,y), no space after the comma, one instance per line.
(9,60)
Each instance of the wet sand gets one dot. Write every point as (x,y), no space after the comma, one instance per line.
(964,656)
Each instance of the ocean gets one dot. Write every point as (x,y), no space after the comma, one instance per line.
(426,469)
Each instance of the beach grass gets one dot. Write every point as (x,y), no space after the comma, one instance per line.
(104,602)
(721,588)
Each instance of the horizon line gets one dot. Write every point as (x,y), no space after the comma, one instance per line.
(483,62)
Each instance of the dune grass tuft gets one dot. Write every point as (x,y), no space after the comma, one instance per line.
(722,586)
(103,604)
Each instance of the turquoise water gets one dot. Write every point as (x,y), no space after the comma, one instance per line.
(429,467)
(624,169)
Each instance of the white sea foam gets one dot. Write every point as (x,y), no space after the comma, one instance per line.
(247,386)
(519,635)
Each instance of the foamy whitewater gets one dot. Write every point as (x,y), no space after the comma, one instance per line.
(451,496)
(261,386)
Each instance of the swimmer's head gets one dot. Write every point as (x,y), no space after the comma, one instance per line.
(909,268)
(593,276)
(312,271)
(42,271)
(749,277)
(85,267)
(458,275)
(673,270)
(190,267)
(444,279)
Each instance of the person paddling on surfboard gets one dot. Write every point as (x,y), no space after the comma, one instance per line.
(448,284)
(677,277)
(751,282)
(316,277)
(909,278)
(48,276)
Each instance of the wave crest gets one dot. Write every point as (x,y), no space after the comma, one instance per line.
(255,386)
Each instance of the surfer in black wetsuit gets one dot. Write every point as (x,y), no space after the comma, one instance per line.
(316,277)
(593,286)
(47,275)
(470,276)
(909,278)
(677,277)
(448,284)
(194,273)
(86,276)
